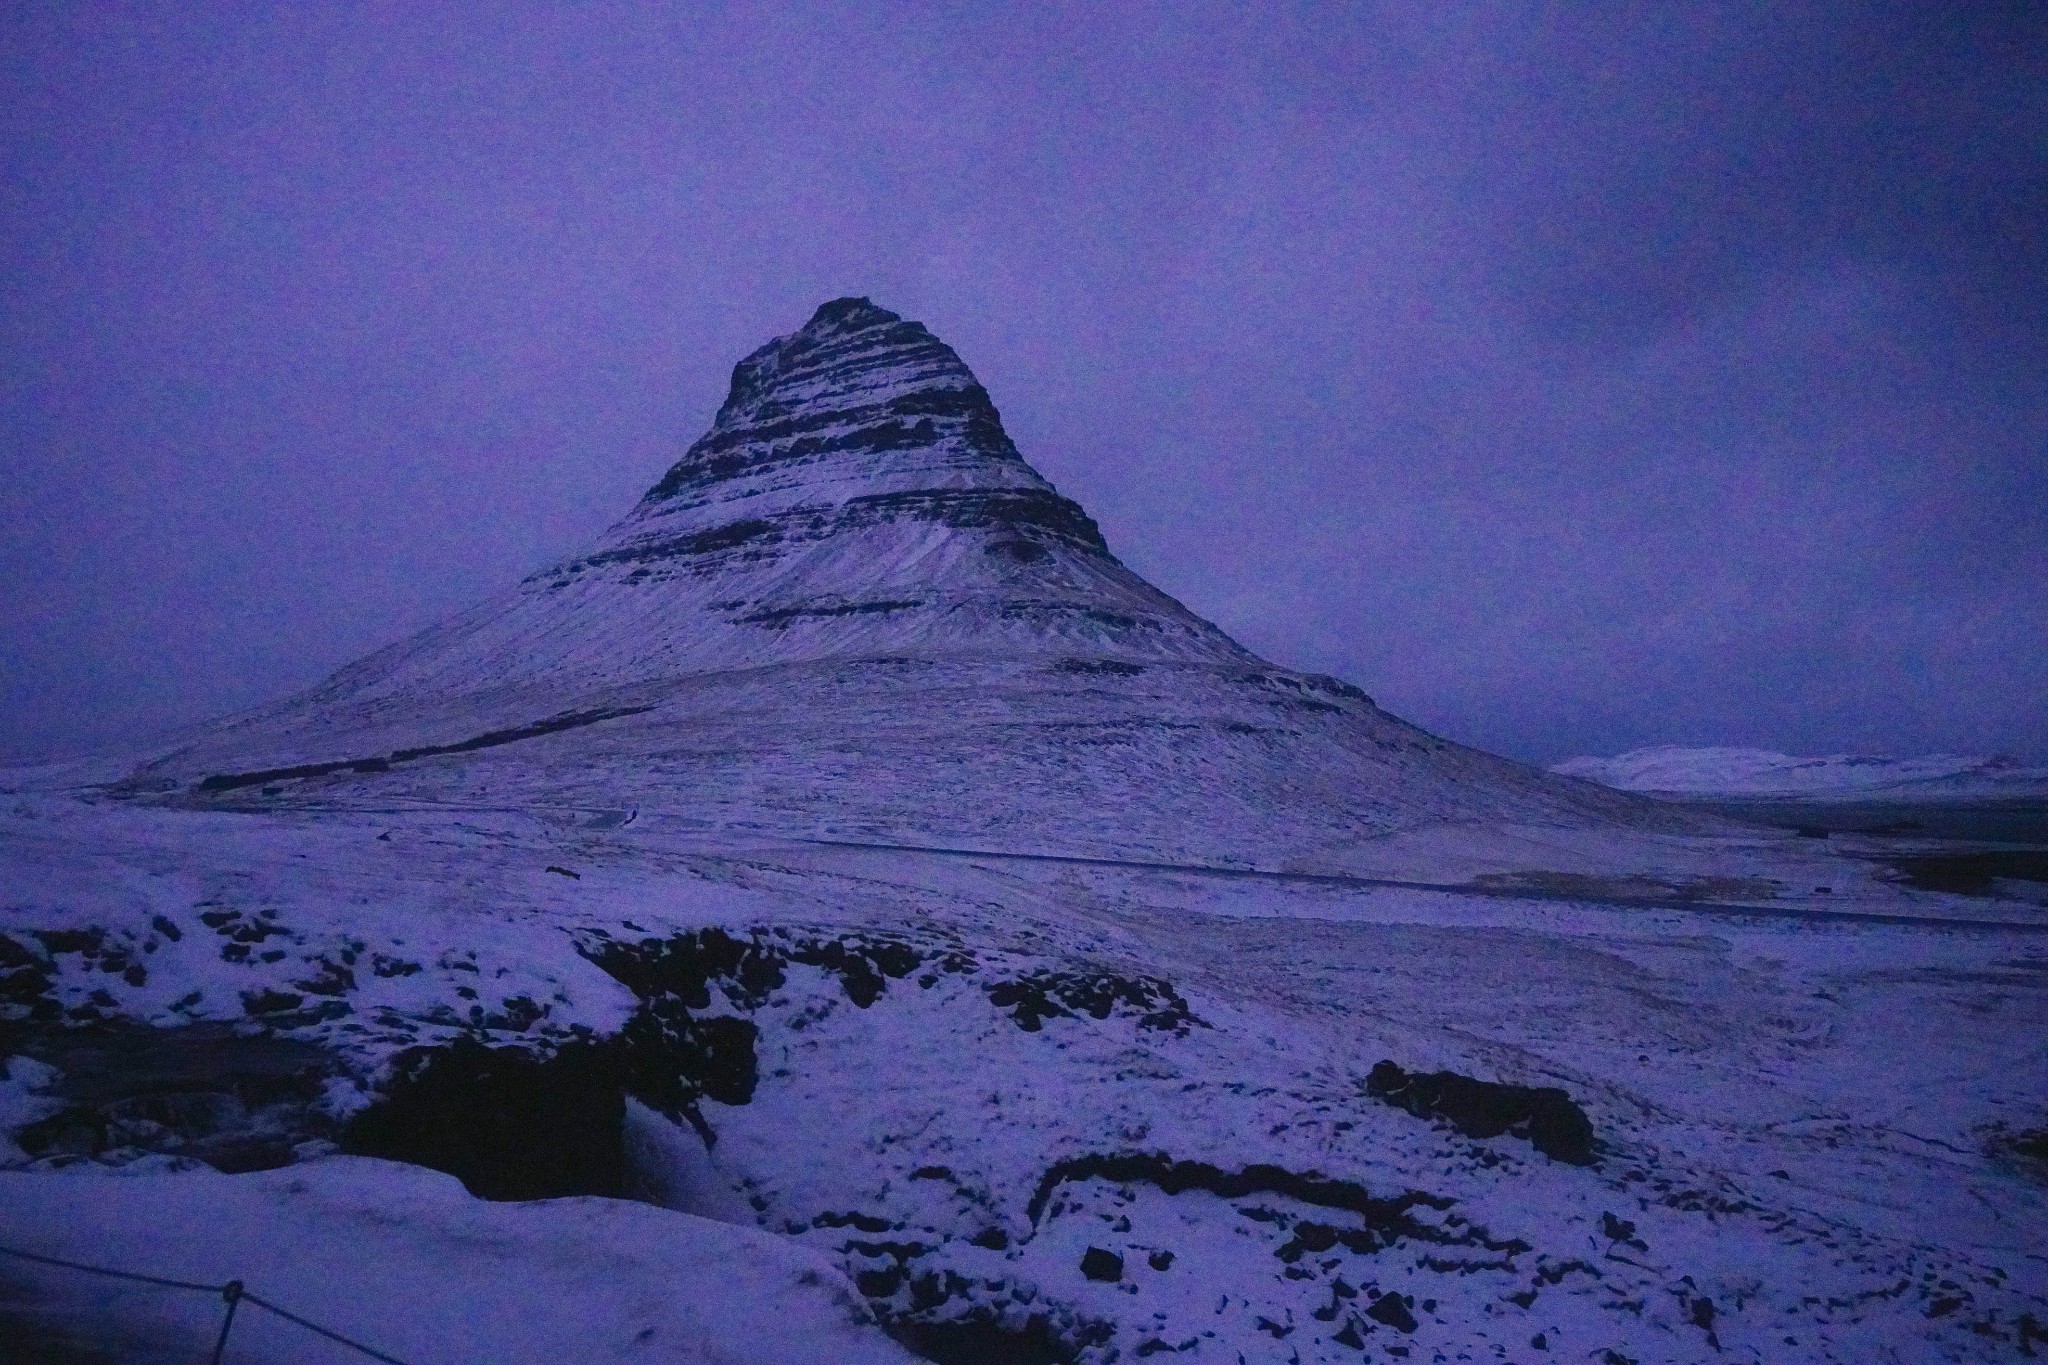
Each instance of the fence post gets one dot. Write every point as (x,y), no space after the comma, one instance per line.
(232,1292)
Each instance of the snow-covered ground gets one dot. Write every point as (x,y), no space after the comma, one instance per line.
(848,873)
(1676,770)
(1805,1123)
(404,1261)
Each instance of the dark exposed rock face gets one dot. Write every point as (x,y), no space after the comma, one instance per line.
(221,782)
(1106,1266)
(507,1123)
(984,1340)
(817,427)
(1545,1115)
(1394,1311)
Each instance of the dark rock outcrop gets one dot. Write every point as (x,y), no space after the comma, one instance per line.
(1544,1115)
(507,1123)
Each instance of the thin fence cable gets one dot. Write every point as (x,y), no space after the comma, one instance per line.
(325,1332)
(232,1293)
(116,1274)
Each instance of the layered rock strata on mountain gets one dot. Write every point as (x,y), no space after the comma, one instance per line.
(856,495)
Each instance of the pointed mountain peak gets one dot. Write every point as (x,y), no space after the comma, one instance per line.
(850,314)
(857,492)
(857,411)
(853,365)
(855,497)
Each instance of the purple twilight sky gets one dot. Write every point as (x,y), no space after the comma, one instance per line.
(1571,377)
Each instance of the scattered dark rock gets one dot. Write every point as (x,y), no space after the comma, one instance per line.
(863,1222)
(1383,1221)
(1546,1116)
(527,1124)
(1111,667)
(26,991)
(674,1054)
(1105,1266)
(563,872)
(745,971)
(1160,1260)
(1031,1000)
(671,1059)
(2030,1330)
(1393,1310)
(86,941)
(333,979)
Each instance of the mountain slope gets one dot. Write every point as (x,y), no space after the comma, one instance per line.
(852,608)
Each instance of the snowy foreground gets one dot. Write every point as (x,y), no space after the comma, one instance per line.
(971,1071)
(404,1258)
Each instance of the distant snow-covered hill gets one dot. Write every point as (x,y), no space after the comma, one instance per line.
(1676,770)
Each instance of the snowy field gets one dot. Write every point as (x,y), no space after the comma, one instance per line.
(1806,1126)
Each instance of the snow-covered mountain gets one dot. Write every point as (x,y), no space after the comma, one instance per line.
(846,913)
(1679,771)
(852,609)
